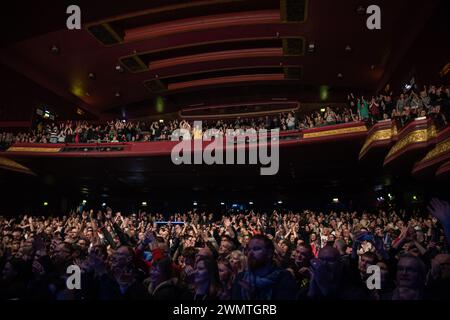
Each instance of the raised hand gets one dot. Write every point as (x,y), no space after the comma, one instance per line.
(148,237)
(440,210)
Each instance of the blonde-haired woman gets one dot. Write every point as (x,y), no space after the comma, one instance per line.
(238,262)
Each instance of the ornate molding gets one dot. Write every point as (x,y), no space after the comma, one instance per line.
(326,133)
(380,135)
(441,148)
(9,164)
(417,136)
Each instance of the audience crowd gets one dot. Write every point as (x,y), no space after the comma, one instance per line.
(432,102)
(242,255)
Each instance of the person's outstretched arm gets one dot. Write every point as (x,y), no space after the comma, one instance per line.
(441,211)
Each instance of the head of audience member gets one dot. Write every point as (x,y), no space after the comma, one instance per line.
(161,271)
(365,260)
(225,272)
(303,256)
(440,267)
(189,255)
(411,273)
(260,253)
(341,246)
(62,254)
(238,261)
(226,246)
(122,258)
(207,251)
(327,272)
(206,278)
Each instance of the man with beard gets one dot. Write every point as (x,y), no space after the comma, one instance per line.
(329,281)
(263,280)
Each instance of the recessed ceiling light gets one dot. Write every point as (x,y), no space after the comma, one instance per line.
(340,75)
(348,48)
(361,10)
(55,49)
(118,94)
(119,69)
(91,75)
(311,48)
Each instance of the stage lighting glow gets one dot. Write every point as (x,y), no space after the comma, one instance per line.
(159,103)
(144,204)
(335,200)
(45,204)
(323,93)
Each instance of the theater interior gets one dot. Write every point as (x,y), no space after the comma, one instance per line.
(200,60)
(97,95)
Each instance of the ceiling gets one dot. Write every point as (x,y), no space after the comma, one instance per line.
(203,52)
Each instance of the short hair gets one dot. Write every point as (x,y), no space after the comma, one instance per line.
(189,252)
(422,266)
(129,249)
(340,245)
(165,266)
(267,242)
(306,246)
(371,255)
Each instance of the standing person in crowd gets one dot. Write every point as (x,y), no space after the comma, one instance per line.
(263,280)
(116,253)
(207,280)
(363,108)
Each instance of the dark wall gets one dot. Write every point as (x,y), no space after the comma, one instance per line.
(429,53)
(21,96)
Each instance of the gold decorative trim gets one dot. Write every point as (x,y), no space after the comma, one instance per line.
(380,135)
(416,136)
(9,164)
(33,149)
(441,148)
(326,133)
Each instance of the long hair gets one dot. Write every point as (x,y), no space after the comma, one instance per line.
(242,259)
(215,285)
